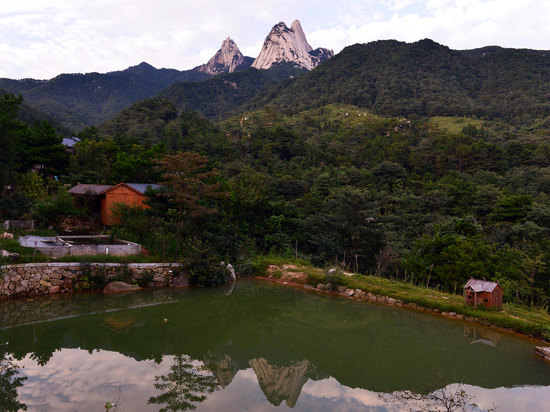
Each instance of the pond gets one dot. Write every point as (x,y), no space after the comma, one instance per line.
(258,346)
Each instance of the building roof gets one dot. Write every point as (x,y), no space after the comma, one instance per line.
(70,141)
(140,188)
(480,285)
(85,189)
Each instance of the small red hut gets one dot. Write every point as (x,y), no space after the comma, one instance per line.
(482,292)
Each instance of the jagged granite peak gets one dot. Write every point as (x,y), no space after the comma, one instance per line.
(285,44)
(226,60)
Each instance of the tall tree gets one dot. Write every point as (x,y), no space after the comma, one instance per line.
(192,188)
(10,128)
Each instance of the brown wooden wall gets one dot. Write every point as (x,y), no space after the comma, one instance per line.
(489,300)
(119,194)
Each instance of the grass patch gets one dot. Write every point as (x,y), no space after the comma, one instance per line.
(26,254)
(261,263)
(454,124)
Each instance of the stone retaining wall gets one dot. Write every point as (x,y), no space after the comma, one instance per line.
(33,279)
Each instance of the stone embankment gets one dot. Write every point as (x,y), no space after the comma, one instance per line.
(34,279)
(359,294)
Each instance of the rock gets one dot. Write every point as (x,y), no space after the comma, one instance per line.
(342,289)
(391,301)
(55,289)
(226,60)
(289,45)
(120,287)
(543,351)
(45,283)
(320,286)
(6,254)
(308,287)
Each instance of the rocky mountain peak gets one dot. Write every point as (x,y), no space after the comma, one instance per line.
(285,44)
(226,60)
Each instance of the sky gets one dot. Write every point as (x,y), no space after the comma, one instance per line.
(43,38)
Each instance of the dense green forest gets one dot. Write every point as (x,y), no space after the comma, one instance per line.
(220,97)
(433,200)
(425,78)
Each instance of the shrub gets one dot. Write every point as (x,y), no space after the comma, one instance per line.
(334,277)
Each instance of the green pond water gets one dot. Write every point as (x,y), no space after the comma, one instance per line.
(256,347)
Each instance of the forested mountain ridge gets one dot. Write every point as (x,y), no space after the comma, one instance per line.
(222,96)
(31,115)
(427,79)
(79,100)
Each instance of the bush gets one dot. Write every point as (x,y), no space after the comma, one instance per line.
(202,264)
(334,277)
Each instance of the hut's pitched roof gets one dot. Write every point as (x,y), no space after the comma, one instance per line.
(85,189)
(140,188)
(480,285)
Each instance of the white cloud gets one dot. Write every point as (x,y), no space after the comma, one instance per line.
(41,39)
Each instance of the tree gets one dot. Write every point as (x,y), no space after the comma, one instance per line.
(191,187)
(184,386)
(92,161)
(10,380)
(10,129)
(41,146)
(346,228)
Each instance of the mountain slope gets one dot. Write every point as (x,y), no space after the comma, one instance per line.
(31,115)
(220,96)
(79,100)
(425,78)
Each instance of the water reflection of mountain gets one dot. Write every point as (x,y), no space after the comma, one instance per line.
(224,368)
(283,383)
(272,329)
(278,382)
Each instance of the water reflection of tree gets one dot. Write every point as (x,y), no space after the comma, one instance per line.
(447,399)
(9,382)
(184,386)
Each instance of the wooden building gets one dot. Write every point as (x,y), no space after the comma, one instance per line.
(101,200)
(481,292)
(88,197)
(129,194)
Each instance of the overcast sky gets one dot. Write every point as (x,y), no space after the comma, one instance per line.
(43,38)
